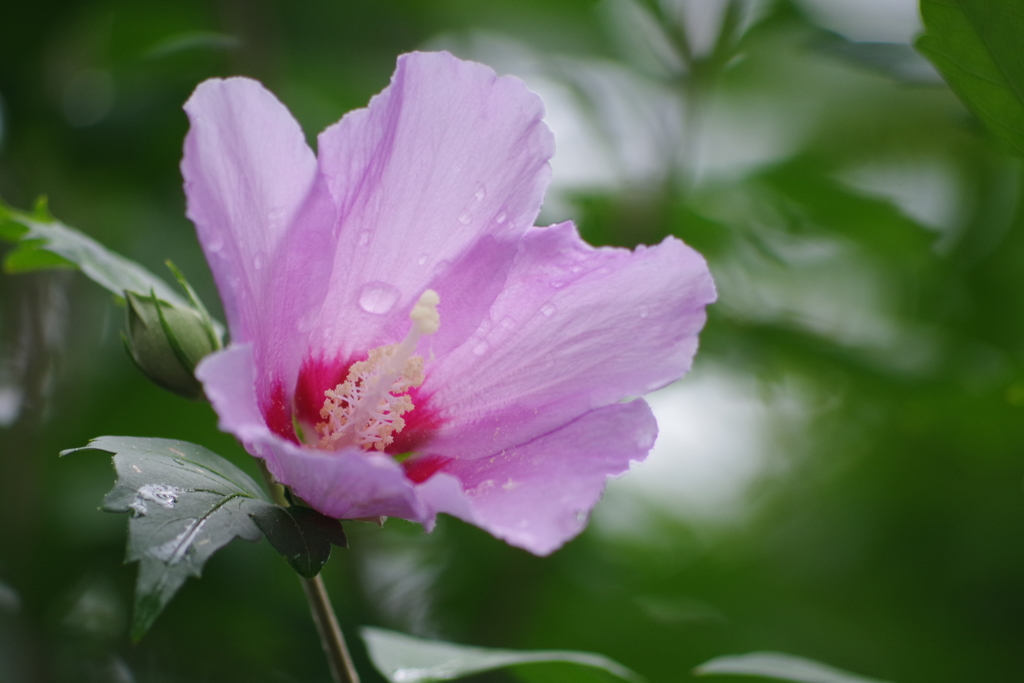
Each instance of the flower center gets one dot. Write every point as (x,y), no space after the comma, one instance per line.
(366,409)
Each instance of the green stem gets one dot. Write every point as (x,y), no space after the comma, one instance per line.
(330,633)
(331,637)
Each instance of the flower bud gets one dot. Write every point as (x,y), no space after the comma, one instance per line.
(167,342)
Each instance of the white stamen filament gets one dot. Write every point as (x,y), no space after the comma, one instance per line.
(367,408)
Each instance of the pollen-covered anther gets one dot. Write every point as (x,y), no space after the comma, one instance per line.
(366,409)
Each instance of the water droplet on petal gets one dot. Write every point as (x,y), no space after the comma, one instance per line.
(644,311)
(258,261)
(480,193)
(501,217)
(508,322)
(422,260)
(480,348)
(558,284)
(548,309)
(215,243)
(364,238)
(377,297)
(465,217)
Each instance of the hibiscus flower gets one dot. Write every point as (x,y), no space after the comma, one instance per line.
(404,341)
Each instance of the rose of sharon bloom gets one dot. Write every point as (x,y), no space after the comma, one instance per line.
(404,341)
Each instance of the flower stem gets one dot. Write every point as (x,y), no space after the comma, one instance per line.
(331,637)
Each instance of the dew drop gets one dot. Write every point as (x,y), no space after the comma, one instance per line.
(644,311)
(480,193)
(501,217)
(558,284)
(377,297)
(548,309)
(480,348)
(508,322)
(465,217)
(258,261)
(161,494)
(422,260)
(215,244)
(364,238)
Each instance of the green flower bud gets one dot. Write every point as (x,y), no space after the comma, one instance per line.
(167,342)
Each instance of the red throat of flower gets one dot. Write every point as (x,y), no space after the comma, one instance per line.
(367,409)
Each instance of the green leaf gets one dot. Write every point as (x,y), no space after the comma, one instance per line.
(975,44)
(44,242)
(815,202)
(29,256)
(779,666)
(404,659)
(185,503)
(897,61)
(110,270)
(302,535)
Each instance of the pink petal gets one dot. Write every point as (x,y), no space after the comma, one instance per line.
(575,328)
(435,183)
(538,495)
(263,217)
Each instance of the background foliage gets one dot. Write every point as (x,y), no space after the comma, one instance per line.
(858,402)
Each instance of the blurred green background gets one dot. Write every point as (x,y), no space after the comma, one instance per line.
(839,478)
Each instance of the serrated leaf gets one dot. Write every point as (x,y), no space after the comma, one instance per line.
(186,502)
(303,536)
(44,242)
(975,45)
(779,666)
(405,659)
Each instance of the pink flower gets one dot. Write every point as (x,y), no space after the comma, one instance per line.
(503,403)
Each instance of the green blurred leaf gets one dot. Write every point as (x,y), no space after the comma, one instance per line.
(779,666)
(186,502)
(30,256)
(404,659)
(44,242)
(975,44)
(817,202)
(303,536)
(102,266)
(193,40)
(897,61)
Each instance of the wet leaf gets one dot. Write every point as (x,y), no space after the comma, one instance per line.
(405,659)
(302,535)
(185,502)
(779,666)
(975,44)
